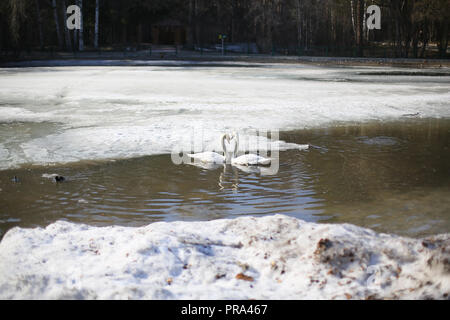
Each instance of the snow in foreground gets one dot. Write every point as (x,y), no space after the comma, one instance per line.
(272,257)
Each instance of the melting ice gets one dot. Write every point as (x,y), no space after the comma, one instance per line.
(66,114)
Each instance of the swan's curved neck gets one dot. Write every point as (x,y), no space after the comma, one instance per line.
(236,146)
(227,137)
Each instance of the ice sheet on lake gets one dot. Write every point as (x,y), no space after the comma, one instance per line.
(4,153)
(272,257)
(116,112)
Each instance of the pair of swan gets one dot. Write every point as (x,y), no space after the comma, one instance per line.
(230,157)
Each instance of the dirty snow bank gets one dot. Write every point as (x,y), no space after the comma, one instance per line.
(272,257)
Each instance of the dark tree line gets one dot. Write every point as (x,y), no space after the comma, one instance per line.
(408,27)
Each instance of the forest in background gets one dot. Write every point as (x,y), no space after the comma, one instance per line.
(408,27)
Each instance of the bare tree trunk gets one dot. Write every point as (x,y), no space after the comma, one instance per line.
(233,20)
(425,37)
(124,34)
(360,27)
(75,39)
(352,6)
(442,37)
(97,5)
(366,30)
(299,23)
(310,38)
(66,30)
(306,31)
(39,19)
(81,40)
(398,40)
(267,26)
(139,34)
(197,29)
(415,40)
(190,28)
(271,25)
(333,24)
(58,31)
(75,32)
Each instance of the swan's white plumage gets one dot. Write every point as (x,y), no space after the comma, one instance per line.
(244,160)
(208,157)
(250,160)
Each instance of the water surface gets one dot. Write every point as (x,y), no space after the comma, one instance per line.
(389,176)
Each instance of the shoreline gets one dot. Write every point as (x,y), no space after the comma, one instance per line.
(43,60)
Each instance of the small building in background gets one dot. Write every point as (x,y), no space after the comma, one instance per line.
(168,32)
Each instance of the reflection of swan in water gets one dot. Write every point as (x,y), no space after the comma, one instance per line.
(229,179)
(211,157)
(207,165)
(246,159)
(262,170)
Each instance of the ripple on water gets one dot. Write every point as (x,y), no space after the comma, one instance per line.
(393,177)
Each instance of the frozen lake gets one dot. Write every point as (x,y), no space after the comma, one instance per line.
(91,113)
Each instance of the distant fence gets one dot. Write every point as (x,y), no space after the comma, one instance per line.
(372,51)
(144,51)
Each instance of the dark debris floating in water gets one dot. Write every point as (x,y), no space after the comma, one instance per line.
(59,179)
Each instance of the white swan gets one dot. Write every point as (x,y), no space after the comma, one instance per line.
(246,159)
(209,156)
